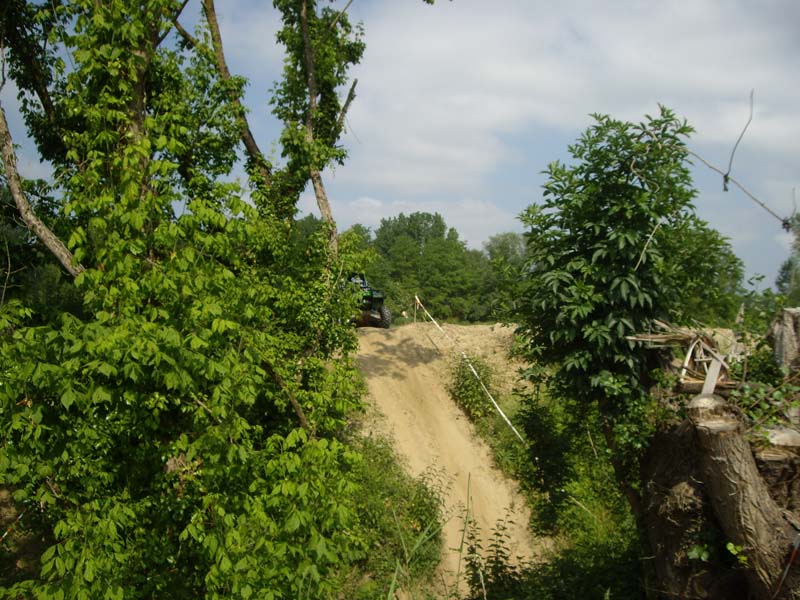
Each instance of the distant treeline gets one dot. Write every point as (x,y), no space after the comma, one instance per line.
(419,254)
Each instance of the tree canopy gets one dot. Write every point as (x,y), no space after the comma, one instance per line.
(172,415)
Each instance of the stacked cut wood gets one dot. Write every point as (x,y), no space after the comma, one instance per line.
(704,364)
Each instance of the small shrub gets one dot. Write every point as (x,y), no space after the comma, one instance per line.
(465,389)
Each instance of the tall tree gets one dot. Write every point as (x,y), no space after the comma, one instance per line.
(178,435)
(419,255)
(607,256)
(788,280)
(507,258)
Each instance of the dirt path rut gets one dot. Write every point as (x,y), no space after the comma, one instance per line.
(406,369)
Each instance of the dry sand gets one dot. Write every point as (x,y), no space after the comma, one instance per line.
(406,370)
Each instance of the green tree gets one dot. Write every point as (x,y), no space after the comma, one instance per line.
(788,280)
(507,258)
(418,254)
(179,435)
(607,252)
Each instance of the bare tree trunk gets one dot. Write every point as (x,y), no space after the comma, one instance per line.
(39,229)
(677,513)
(245,133)
(749,517)
(249,140)
(316,177)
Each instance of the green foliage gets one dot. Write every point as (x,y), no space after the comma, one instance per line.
(788,280)
(760,308)
(401,516)
(178,432)
(568,478)
(507,257)
(418,254)
(466,390)
(604,262)
(493,569)
(27,271)
(355,242)
(738,553)
(614,245)
(336,44)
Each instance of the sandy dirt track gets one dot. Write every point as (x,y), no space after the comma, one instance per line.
(406,370)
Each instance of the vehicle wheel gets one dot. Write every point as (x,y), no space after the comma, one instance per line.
(386,317)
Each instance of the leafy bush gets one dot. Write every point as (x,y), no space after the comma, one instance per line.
(465,389)
(178,434)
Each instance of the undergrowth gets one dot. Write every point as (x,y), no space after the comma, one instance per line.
(564,473)
(401,516)
(465,389)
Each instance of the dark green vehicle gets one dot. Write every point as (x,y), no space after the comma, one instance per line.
(374,313)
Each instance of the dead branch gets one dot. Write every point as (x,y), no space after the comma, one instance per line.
(731,179)
(339,15)
(351,95)
(39,229)
(8,275)
(647,245)
(174,20)
(726,176)
(188,37)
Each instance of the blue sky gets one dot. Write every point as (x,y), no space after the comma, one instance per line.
(461,105)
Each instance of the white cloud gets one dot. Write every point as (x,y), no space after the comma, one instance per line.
(441,87)
(460,105)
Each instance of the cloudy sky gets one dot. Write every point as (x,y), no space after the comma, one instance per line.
(461,105)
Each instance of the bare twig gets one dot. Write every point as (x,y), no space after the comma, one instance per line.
(726,176)
(583,506)
(785,222)
(203,405)
(10,528)
(2,66)
(591,442)
(8,275)
(646,245)
(747,192)
(34,224)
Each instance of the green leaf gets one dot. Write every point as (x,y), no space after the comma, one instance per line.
(68,397)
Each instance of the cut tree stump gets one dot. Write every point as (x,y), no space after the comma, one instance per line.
(746,512)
